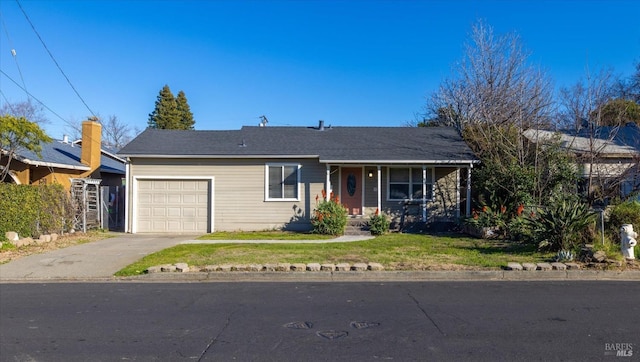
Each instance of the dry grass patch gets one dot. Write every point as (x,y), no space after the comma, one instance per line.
(9,252)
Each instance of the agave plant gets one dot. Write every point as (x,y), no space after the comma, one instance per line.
(560,225)
(565,255)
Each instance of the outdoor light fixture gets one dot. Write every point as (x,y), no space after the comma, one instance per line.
(370,174)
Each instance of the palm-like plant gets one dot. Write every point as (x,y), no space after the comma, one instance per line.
(560,225)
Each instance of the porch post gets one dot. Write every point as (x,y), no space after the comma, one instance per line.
(468,191)
(127,195)
(379,189)
(424,193)
(457,192)
(327,186)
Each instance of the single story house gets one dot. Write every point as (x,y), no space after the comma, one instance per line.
(91,173)
(260,178)
(62,161)
(610,156)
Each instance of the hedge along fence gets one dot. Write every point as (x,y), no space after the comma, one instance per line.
(32,210)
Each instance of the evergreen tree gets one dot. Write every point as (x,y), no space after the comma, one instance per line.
(165,115)
(186,117)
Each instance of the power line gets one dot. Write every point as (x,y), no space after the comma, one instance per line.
(53,58)
(13,50)
(32,96)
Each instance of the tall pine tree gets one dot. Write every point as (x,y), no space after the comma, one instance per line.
(186,117)
(171,113)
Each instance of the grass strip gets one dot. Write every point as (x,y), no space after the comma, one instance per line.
(394,251)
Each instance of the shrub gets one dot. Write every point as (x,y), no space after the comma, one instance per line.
(329,216)
(625,213)
(34,210)
(561,225)
(518,229)
(378,224)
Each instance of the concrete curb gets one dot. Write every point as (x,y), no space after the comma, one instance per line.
(393,276)
(355,276)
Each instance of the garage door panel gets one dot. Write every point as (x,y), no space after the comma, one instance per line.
(174,212)
(173,206)
(189,198)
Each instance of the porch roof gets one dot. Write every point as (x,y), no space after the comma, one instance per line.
(366,145)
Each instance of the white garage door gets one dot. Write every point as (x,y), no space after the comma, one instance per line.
(180,206)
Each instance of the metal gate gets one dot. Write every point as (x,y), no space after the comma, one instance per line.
(85,195)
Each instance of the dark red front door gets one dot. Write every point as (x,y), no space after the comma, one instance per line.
(351,190)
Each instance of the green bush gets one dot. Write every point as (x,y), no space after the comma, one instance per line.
(625,213)
(378,224)
(329,217)
(561,225)
(34,210)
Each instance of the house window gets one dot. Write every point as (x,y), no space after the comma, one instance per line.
(281,182)
(405,183)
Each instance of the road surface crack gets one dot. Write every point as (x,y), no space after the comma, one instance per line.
(215,338)
(426,314)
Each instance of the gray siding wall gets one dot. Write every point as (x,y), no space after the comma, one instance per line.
(239,190)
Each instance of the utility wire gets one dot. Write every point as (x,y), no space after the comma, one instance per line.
(53,58)
(32,96)
(13,50)
(68,123)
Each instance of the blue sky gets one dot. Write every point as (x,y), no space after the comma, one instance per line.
(349,63)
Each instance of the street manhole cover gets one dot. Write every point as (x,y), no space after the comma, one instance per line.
(364,325)
(333,334)
(299,325)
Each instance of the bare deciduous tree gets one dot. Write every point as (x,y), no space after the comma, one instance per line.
(493,84)
(596,114)
(493,95)
(115,133)
(33,112)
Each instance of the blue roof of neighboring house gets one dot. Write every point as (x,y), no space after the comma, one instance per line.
(67,155)
(607,141)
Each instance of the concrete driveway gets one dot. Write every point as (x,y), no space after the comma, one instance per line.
(95,260)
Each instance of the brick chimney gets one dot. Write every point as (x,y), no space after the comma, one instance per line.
(91,141)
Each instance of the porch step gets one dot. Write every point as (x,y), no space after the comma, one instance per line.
(357,226)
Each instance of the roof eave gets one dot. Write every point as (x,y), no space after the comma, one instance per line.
(53,164)
(215,156)
(457,162)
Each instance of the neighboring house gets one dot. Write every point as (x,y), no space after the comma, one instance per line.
(259,178)
(610,156)
(61,161)
(92,174)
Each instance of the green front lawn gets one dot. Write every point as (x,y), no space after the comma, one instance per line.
(263,235)
(394,251)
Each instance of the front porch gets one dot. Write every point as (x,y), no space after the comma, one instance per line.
(425,193)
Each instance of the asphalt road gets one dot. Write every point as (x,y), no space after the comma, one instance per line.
(435,321)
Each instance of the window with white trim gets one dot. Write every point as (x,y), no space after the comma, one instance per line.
(282,182)
(405,183)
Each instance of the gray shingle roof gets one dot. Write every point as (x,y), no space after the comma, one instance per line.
(335,144)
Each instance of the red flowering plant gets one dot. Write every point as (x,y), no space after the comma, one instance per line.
(505,219)
(329,217)
(378,223)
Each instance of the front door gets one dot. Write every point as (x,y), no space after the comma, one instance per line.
(351,190)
